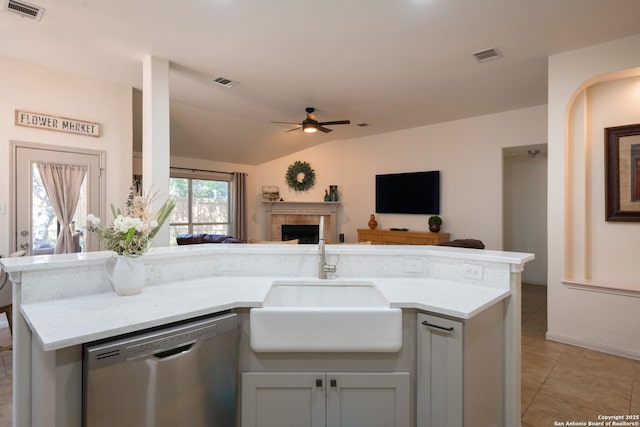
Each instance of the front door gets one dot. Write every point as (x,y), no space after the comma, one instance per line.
(36,225)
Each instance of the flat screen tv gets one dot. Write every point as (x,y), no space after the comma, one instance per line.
(408,193)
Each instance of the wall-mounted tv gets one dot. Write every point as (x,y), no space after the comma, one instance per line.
(408,193)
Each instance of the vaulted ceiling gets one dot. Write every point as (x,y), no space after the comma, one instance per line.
(390,64)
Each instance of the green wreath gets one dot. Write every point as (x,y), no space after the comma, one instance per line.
(300,176)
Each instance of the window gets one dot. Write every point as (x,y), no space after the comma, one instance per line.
(44,222)
(202,204)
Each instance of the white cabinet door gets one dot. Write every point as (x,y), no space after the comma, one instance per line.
(439,372)
(283,399)
(294,399)
(368,399)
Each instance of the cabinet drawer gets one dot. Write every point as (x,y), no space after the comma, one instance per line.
(394,240)
(395,237)
(420,241)
(364,236)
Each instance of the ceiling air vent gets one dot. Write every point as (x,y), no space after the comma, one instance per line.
(487,54)
(224,82)
(25,10)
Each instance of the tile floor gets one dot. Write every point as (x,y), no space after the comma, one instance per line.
(5,374)
(560,382)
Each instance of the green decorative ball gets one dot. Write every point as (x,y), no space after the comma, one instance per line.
(300,176)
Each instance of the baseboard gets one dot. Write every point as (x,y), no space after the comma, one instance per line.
(593,346)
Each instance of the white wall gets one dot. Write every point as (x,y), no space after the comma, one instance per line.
(328,163)
(590,89)
(44,90)
(610,103)
(525,209)
(467,152)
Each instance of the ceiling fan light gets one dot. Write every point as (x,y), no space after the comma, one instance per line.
(309,128)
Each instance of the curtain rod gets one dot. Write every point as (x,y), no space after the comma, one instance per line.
(200,170)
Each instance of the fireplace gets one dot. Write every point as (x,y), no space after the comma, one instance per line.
(305,233)
(301,213)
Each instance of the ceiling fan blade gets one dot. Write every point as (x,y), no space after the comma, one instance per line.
(336,122)
(288,123)
(312,122)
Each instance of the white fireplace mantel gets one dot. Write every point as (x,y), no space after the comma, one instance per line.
(311,210)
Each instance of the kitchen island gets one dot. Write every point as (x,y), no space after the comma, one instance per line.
(64,301)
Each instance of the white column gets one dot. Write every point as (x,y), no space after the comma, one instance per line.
(21,361)
(155,134)
(512,348)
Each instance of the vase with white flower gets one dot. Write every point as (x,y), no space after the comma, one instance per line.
(129,235)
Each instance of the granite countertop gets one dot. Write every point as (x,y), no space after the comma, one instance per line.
(66,322)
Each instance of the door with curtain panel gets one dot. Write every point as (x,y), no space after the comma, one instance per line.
(55,189)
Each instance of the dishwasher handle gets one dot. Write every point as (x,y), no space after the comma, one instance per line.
(171,352)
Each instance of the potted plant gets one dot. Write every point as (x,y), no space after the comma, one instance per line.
(435,222)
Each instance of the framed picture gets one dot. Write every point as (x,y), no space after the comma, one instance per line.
(270,193)
(622,173)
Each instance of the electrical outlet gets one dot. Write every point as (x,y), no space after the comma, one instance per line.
(413,266)
(232,265)
(472,271)
(3,208)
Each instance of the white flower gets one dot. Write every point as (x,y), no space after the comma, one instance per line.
(124,224)
(94,220)
(119,224)
(137,224)
(130,233)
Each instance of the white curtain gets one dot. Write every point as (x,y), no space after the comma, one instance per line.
(62,183)
(239,182)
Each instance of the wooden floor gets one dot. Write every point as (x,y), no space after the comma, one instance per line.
(560,382)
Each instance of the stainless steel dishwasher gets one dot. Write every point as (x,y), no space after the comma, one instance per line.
(183,374)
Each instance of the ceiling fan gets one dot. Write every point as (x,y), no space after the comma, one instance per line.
(312,125)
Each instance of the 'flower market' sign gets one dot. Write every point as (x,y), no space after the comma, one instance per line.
(60,124)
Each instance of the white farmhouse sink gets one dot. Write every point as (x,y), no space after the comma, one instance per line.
(325,316)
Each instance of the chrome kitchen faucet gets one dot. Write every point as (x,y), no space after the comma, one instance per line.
(323,267)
